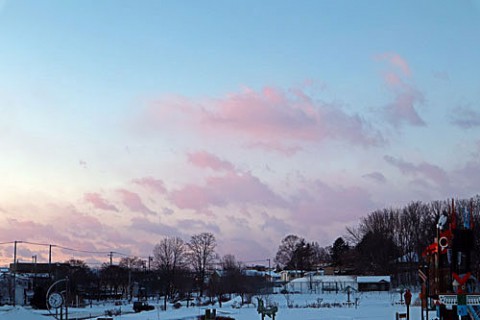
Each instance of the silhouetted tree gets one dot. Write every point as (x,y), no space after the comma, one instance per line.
(81,278)
(114,279)
(287,249)
(338,251)
(168,257)
(202,256)
(376,253)
(303,257)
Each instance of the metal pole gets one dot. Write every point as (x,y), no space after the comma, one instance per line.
(421,312)
(50,262)
(427,289)
(129,293)
(34,260)
(15,273)
(66,299)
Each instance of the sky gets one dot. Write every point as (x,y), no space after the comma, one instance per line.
(124,122)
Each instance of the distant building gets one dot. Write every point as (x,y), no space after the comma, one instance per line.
(22,293)
(373,283)
(321,284)
(313,283)
(289,275)
(26,277)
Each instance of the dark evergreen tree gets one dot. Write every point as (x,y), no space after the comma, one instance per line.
(376,254)
(338,251)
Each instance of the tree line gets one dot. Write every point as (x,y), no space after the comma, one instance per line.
(178,270)
(389,241)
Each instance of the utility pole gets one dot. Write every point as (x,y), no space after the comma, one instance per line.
(50,262)
(66,298)
(111,258)
(34,261)
(14,271)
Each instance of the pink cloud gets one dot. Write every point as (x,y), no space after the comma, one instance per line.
(60,231)
(232,187)
(270,117)
(153,184)
(76,223)
(279,226)
(274,116)
(68,228)
(403,108)
(319,202)
(242,247)
(157,228)
(99,202)
(432,172)
(397,61)
(200,225)
(133,202)
(276,147)
(204,159)
(468,174)
(15,229)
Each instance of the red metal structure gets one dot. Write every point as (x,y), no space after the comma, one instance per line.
(448,281)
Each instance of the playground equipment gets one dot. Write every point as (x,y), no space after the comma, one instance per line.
(266,311)
(448,283)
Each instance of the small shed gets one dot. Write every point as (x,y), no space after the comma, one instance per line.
(373,283)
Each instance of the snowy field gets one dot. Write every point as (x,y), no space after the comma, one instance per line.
(371,306)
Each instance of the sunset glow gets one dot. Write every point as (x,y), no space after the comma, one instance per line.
(123,122)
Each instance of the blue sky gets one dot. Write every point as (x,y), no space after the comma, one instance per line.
(145,119)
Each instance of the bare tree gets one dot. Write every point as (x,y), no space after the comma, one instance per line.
(233,277)
(286,249)
(168,257)
(132,263)
(169,254)
(202,255)
(229,262)
(321,254)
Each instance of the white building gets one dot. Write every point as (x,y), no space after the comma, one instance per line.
(321,284)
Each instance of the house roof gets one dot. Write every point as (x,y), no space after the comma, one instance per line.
(292,271)
(253,272)
(373,279)
(325,279)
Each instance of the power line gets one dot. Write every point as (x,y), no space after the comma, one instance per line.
(34,243)
(67,248)
(83,251)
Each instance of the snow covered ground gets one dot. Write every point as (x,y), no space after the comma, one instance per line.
(371,306)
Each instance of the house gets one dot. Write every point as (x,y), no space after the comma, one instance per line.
(313,283)
(320,284)
(289,275)
(16,289)
(373,283)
